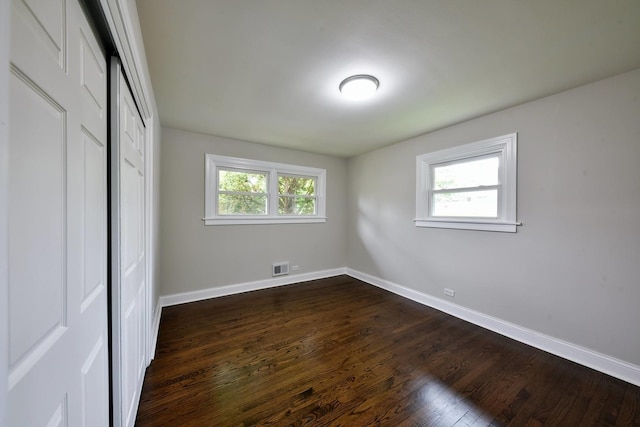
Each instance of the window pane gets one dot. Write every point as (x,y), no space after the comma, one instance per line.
(480,204)
(240,204)
(243,182)
(296,205)
(473,173)
(296,185)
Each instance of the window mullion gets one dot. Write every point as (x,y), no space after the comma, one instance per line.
(243,193)
(467,189)
(273,195)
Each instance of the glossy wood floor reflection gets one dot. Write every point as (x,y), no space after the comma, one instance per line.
(338,352)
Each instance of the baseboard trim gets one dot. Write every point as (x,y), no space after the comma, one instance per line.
(155,329)
(575,353)
(186,297)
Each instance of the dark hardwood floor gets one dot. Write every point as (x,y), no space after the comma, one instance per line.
(339,352)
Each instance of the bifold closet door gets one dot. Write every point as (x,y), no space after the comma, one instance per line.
(128,244)
(57,215)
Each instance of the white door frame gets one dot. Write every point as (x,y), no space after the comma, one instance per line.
(124,29)
(150,341)
(114,238)
(120,23)
(4,173)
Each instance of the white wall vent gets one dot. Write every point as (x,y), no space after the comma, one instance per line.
(280,269)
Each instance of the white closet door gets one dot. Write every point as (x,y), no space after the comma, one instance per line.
(57,214)
(129,291)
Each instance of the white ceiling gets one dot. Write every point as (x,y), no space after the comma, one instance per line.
(268,71)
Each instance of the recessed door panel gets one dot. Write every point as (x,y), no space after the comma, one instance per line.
(130,217)
(130,340)
(59,417)
(92,75)
(50,18)
(95,403)
(95,216)
(41,28)
(36,209)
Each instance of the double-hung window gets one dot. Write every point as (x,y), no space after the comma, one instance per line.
(243,191)
(297,195)
(472,186)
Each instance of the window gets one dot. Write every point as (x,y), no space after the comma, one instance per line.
(242,191)
(470,187)
(296,195)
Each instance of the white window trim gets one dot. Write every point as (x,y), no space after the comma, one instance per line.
(506,148)
(213,162)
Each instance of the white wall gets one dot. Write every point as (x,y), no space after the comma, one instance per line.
(573,270)
(196,257)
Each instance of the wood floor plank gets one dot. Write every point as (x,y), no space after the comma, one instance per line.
(339,352)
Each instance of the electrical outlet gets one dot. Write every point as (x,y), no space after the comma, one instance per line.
(294,268)
(449,292)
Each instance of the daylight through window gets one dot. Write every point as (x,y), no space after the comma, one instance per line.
(466,188)
(297,195)
(242,192)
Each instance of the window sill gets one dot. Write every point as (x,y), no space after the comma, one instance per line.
(479,225)
(263,220)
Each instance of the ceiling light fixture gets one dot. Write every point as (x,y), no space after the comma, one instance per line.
(359,87)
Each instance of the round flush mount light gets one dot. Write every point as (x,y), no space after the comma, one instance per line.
(359,87)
